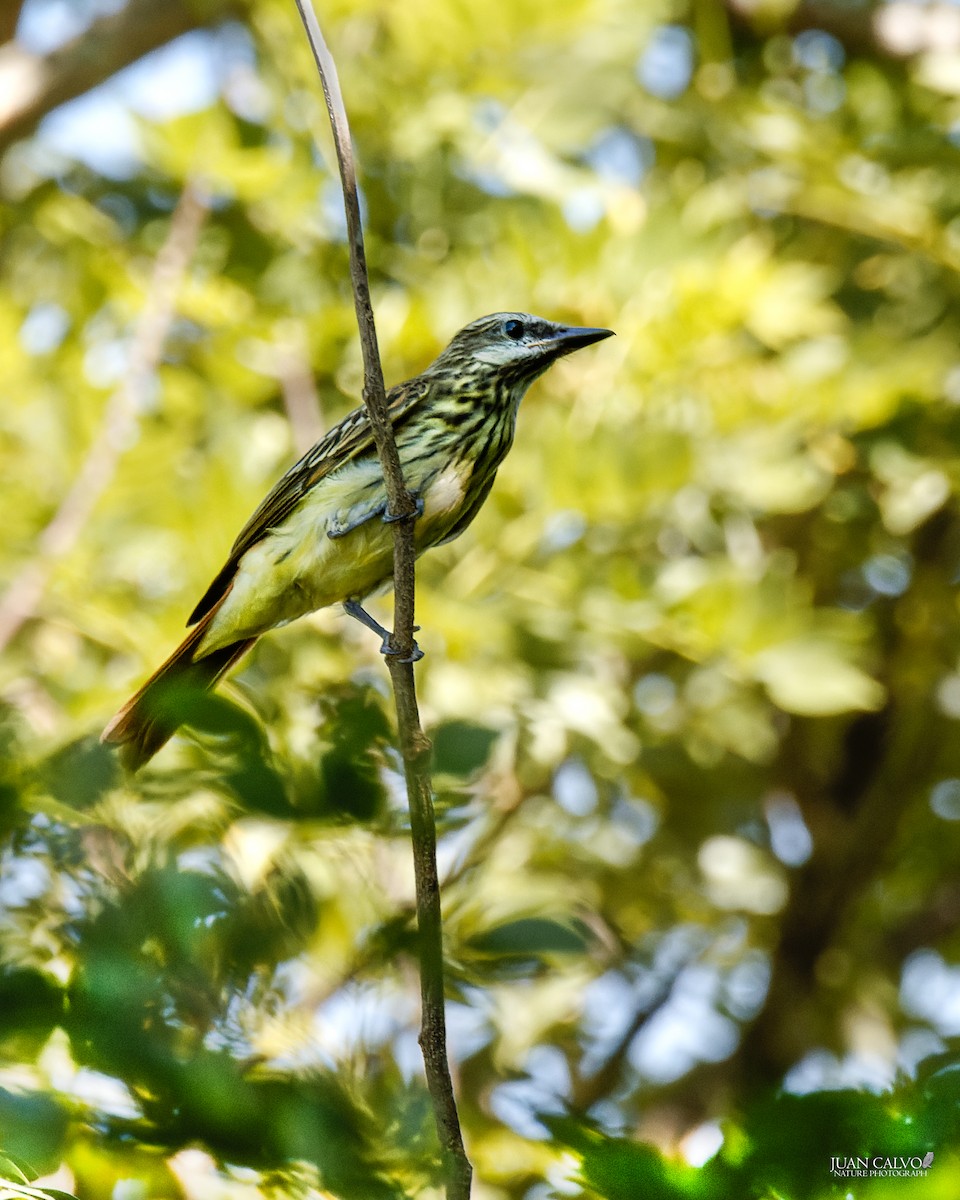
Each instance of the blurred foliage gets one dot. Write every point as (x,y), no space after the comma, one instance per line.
(692,677)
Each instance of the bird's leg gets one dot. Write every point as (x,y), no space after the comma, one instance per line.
(356,610)
(336,530)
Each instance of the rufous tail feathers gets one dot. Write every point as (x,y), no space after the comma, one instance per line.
(151,717)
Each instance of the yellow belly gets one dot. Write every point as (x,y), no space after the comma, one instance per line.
(297,568)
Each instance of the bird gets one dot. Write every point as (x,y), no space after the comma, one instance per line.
(322,536)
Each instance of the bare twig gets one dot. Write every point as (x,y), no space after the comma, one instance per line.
(9,16)
(300,397)
(413,743)
(23,596)
(588,1089)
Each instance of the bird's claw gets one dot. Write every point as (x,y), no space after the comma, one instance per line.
(390,518)
(414,656)
(336,530)
(387,649)
(355,609)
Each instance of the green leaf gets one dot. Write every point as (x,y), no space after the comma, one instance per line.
(352,787)
(33,1127)
(461,748)
(810,677)
(621,1169)
(533,936)
(16,1171)
(79,773)
(30,1000)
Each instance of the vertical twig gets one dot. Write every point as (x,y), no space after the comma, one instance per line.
(298,388)
(413,743)
(118,425)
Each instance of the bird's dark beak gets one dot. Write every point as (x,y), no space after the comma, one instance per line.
(566,338)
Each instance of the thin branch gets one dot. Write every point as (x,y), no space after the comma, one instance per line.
(119,421)
(500,811)
(588,1089)
(298,389)
(9,17)
(413,743)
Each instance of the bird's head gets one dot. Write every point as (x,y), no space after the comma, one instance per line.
(514,347)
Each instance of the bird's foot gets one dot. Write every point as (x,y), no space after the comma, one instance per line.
(386,649)
(337,530)
(390,518)
(356,610)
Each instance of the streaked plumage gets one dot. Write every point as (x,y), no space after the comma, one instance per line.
(319,537)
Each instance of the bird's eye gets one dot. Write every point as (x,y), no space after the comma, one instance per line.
(514,329)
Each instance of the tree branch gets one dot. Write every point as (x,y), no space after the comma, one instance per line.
(21,599)
(588,1089)
(298,388)
(890,31)
(414,745)
(9,16)
(32,85)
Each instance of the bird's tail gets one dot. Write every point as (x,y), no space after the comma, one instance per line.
(151,716)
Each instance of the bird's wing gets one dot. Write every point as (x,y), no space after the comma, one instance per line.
(348,440)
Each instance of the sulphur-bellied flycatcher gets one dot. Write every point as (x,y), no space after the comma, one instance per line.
(322,535)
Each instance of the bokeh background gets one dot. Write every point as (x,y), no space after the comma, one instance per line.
(693,676)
